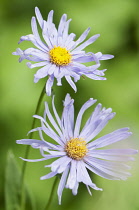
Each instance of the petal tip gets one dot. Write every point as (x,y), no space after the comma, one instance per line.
(28,64)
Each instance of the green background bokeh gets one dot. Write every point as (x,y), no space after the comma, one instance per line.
(118,24)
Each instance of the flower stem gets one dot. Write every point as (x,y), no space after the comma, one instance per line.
(22,198)
(52,193)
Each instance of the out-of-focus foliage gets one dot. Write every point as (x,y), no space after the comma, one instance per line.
(117,22)
(13,187)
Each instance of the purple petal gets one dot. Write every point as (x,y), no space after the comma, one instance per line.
(81,38)
(43,63)
(55,112)
(100,126)
(110,138)
(110,157)
(39,16)
(58,163)
(33,142)
(106,173)
(52,120)
(41,73)
(62,184)
(36,34)
(66,125)
(47,157)
(65,32)
(89,103)
(48,176)
(69,80)
(101,56)
(88,42)
(72,178)
(83,176)
(75,189)
(49,85)
(62,24)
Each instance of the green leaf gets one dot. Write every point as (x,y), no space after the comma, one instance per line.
(13,187)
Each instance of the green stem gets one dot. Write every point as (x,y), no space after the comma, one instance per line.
(27,151)
(52,193)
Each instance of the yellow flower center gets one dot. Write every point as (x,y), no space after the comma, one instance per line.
(76,148)
(60,56)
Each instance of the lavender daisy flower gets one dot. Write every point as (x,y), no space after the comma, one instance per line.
(58,54)
(75,151)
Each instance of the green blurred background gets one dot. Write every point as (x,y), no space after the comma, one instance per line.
(118,24)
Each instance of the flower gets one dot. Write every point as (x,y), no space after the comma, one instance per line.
(75,151)
(58,54)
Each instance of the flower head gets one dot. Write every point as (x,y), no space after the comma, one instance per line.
(58,54)
(76,150)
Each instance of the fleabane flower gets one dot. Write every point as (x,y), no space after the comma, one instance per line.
(76,150)
(58,54)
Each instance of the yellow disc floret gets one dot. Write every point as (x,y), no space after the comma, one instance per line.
(60,56)
(76,148)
